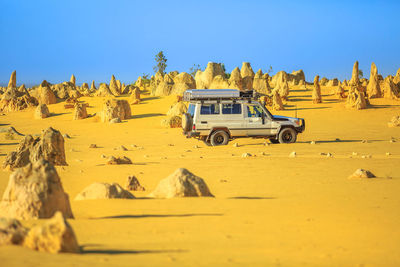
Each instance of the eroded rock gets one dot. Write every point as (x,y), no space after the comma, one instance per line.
(54,235)
(181,183)
(42,111)
(49,146)
(103,191)
(33,192)
(115,108)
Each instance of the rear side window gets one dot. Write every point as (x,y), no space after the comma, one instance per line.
(209,109)
(191,109)
(231,108)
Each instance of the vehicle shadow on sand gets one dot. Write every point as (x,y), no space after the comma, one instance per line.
(338,141)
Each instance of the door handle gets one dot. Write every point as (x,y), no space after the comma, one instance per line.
(203,122)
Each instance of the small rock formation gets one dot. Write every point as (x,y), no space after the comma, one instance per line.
(373,88)
(394,122)
(84,89)
(390,91)
(316,94)
(293,154)
(181,183)
(135,95)
(182,82)
(103,90)
(164,88)
(172,122)
(323,81)
(93,87)
(361,174)
(121,148)
(236,81)
(260,83)
(45,94)
(80,112)
(11,232)
(276,101)
(49,146)
(133,184)
(41,112)
(177,109)
(103,191)
(204,78)
(333,82)
(13,100)
(354,76)
(247,74)
(297,77)
(65,90)
(246,155)
(118,161)
(34,192)
(114,88)
(13,80)
(340,94)
(73,80)
(219,82)
(54,236)
(281,84)
(115,108)
(356,99)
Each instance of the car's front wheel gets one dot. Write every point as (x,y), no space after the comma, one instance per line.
(287,135)
(219,138)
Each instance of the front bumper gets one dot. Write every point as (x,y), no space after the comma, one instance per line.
(302,127)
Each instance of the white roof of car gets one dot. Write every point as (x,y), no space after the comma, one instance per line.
(198,94)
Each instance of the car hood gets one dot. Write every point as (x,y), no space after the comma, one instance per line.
(283,118)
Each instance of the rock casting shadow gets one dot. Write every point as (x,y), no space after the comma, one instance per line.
(146,115)
(130,216)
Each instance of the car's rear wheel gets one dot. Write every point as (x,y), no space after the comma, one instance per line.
(287,135)
(219,138)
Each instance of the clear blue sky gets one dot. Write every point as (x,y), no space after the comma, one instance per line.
(95,39)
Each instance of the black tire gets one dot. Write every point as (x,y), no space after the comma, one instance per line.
(187,122)
(219,138)
(287,135)
(274,141)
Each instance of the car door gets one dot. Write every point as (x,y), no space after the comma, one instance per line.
(233,117)
(256,123)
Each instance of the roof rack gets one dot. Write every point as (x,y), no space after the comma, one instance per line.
(218,94)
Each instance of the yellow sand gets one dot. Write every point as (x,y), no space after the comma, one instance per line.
(269,210)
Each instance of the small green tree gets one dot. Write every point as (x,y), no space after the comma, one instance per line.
(161,61)
(270,70)
(227,75)
(360,74)
(193,70)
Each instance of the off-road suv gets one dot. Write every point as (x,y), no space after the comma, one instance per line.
(218,115)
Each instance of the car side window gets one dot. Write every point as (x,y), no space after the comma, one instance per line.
(191,109)
(231,108)
(209,109)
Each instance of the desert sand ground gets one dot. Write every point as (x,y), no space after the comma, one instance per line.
(268,210)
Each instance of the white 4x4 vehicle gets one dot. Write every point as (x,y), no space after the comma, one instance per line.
(219,115)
